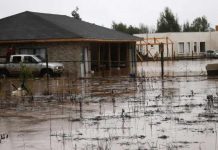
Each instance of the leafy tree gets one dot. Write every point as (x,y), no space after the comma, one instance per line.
(133,30)
(187,27)
(200,24)
(119,27)
(130,29)
(75,14)
(167,22)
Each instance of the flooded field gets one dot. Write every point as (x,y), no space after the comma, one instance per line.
(175,68)
(114,112)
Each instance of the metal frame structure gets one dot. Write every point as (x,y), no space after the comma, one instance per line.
(156,41)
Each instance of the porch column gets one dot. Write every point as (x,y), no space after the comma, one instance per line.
(109,56)
(99,56)
(118,55)
(172,52)
(133,59)
(167,47)
(127,56)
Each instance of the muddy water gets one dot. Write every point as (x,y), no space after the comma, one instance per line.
(174,68)
(111,113)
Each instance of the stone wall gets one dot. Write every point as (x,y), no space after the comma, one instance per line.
(70,54)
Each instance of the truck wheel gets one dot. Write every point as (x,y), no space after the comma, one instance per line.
(44,73)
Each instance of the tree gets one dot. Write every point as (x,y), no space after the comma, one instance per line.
(75,14)
(187,27)
(200,24)
(129,29)
(143,28)
(119,27)
(167,22)
(133,30)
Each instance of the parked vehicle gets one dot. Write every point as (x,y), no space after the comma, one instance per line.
(216,54)
(211,54)
(34,63)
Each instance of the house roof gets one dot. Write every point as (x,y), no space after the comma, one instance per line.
(32,26)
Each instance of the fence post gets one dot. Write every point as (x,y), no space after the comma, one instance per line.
(47,75)
(161,47)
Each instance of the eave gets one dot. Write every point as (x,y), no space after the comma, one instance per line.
(63,40)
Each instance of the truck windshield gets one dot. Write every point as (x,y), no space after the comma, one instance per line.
(41,59)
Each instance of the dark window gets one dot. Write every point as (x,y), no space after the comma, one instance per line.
(16,59)
(33,51)
(202,46)
(195,47)
(181,47)
(189,47)
(29,59)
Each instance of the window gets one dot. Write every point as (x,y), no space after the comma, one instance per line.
(29,59)
(40,52)
(195,47)
(181,47)
(16,59)
(202,46)
(189,47)
(33,51)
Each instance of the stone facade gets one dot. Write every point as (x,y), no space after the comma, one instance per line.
(70,54)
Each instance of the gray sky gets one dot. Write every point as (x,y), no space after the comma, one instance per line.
(130,12)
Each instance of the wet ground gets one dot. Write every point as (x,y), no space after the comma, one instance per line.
(113,113)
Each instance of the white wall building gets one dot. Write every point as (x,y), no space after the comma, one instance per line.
(185,44)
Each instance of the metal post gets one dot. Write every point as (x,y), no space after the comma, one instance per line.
(47,75)
(167,47)
(161,47)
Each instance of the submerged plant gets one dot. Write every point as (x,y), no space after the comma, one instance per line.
(25,74)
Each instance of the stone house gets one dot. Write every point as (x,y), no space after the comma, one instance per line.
(81,46)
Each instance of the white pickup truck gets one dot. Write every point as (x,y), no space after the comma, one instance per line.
(34,63)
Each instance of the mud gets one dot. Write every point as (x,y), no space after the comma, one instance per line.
(111,113)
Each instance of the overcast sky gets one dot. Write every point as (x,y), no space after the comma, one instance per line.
(130,12)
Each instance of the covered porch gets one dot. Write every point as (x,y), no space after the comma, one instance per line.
(113,58)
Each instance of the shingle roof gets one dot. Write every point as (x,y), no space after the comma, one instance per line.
(40,26)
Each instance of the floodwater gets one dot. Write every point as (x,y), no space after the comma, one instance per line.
(114,112)
(174,68)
